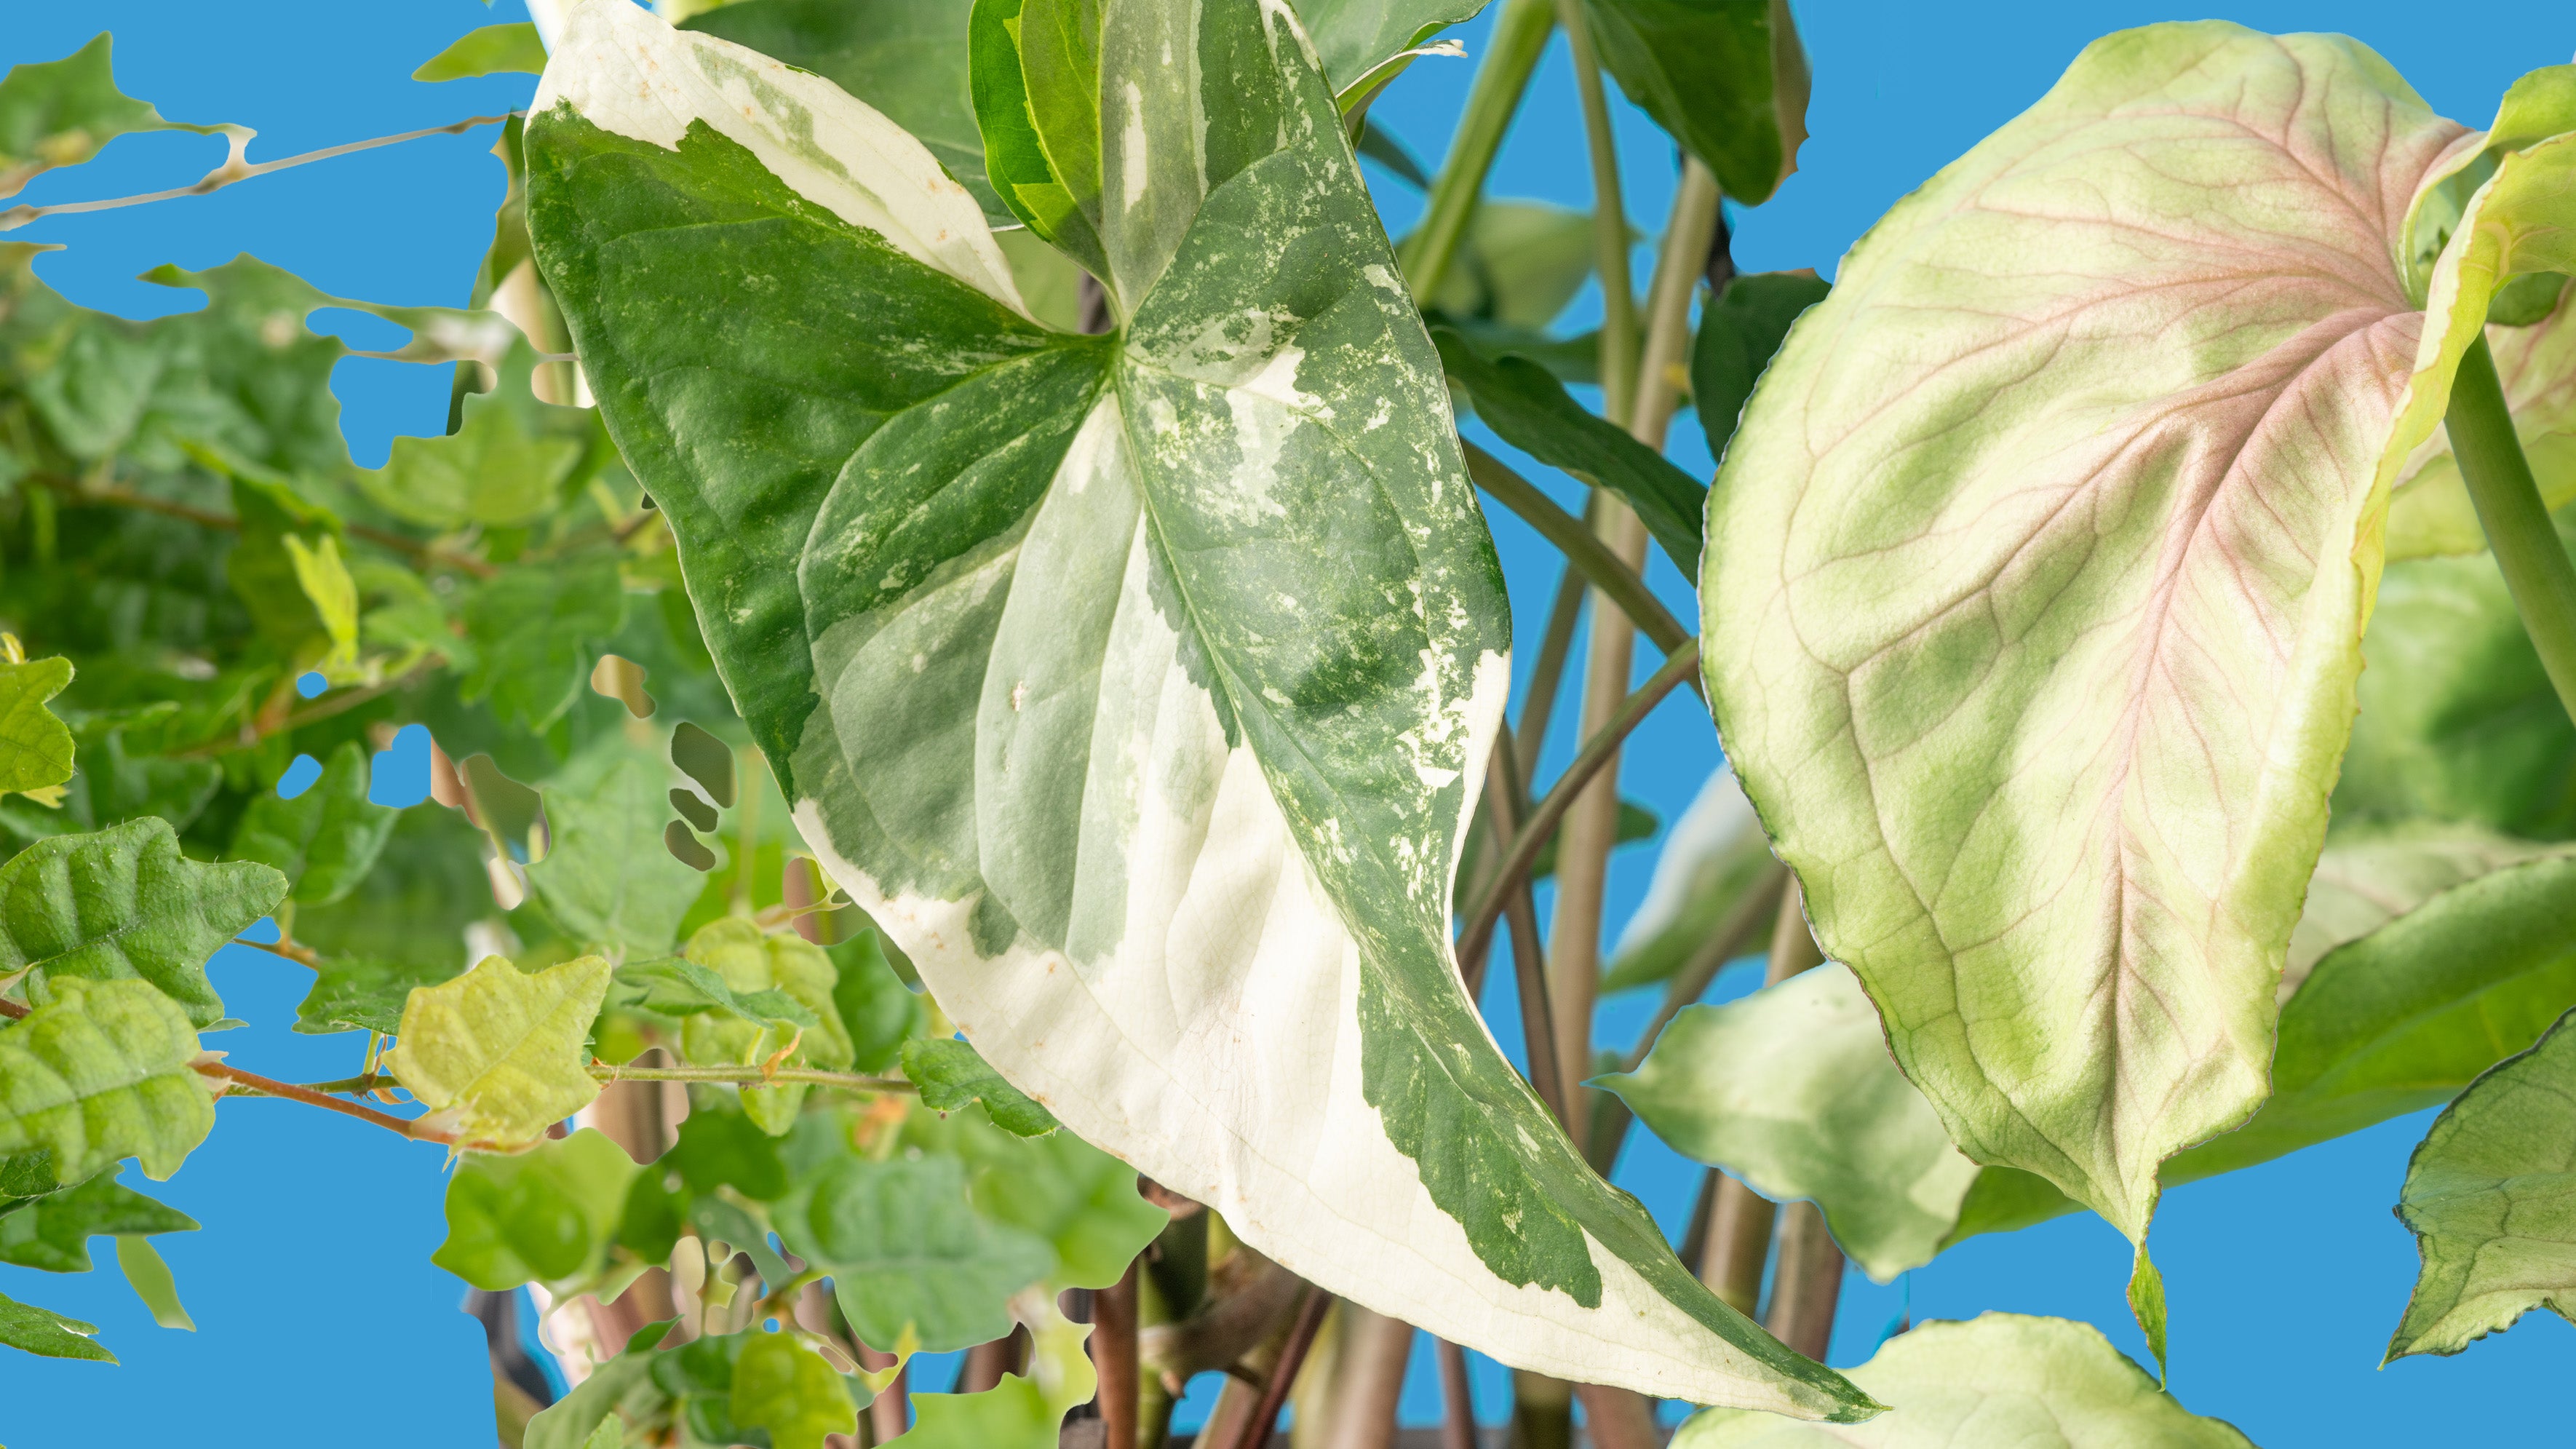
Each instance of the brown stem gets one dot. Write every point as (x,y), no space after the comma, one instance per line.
(1740,1221)
(1458,1424)
(1538,707)
(1113,1353)
(300,955)
(1255,1431)
(271,1087)
(347,699)
(1529,961)
(1618,1418)
(1375,1352)
(1597,752)
(1807,1283)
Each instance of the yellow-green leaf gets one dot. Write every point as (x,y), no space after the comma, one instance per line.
(497,1052)
(102,1073)
(35,747)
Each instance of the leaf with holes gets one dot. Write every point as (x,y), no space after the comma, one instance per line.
(123,903)
(606,880)
(325,840)
(1067,648)
(60,112)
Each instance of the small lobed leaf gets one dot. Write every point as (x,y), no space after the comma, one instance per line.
(606,880)
(326,839)
(2491,1198)
(908,1254)
(782,1384)
(721,1149)
(35,747)
(747,1387)
(52,1232)
(535,631)
(771,994)
(1999,1378)
(60,112)
(548,1215)
(48,1334)
(498,1052)
(951,1073)
(511,462)
(101,1072)
(123,904)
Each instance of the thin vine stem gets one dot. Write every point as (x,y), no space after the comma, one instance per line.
(1597,751)
(1519,37)
(749,1076)
(1582,547)
(256,1085)
(1504,808)
(1689,232)
(2518,528)
(236,167)
(1609,221)
(1547,676)
(423,555)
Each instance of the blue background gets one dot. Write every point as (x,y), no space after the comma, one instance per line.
(319,1316)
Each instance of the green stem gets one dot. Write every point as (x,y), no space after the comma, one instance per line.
(1609,223)
(1519,37)
(1582,547)
(2517,524)
(1683,259)
(749,1076)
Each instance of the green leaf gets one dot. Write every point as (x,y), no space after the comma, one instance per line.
(2430,512)
(123,903)
(2051,760)
(536,631)
(118,781)
(325,581)
(1521,263)
(151,1280)
(2491,1197)
(1361,44)
(1791,1090)
(365,993)
(325,840)
(951,1074)
(35,747)
(487,50)
(1034,76)
(496,1054)
(1716,854)
(1032,630)
(546,1216)
(52,1232)
(725,1149)
(1739,333)
(777,996)
(1013,1414)
(1999,1378)
(48,1334)
(511,461)
(268,567)
(782,1384)
(1727,79)
(1080,1200)
(1533,412)
(101,1073)
(906,58)
(59,113)
(2458,720)
(908,1255)
(607,880)
(878,1011)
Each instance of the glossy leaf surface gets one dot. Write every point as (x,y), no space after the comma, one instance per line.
(1032,630)
(48,1334)
(497,1052)
(124,904)
(1985,545)
(2491,1197)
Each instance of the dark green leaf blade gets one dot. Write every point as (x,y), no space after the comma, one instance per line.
(1726,78)
(1737,336)
(48,1334)
(326,839)
(52,1232)
(123,903)
(366,993)
(951,1074)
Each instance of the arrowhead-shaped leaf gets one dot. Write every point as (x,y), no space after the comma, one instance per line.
(2491,1197)
(2040,562)
(35,747)
(326,839)
(101,1073)
(1067,649)
(123,903)
(1999,1378)
(498,1052)
(53,1232)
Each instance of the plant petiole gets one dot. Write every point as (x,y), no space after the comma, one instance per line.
(2517,523)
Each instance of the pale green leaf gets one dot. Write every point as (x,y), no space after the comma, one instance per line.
(334,595)
(1013,1414)
(2491,1197)
(951,1074)
(48,1334)
(777,1006)
(1738,336)
(1032,629)
(151,1280)
(60,112)
(35,747)
(1997,1379)
(908,1254)
(1715,856)
(496,1054)
(102,1073)
(487,50)
(1727,78)
(546,1216)
(2051,759)
(511,461)
(1081,1200)
(1791,1089)
(606,880)
(52,1232)
(123,903)
(1519,265)
(782,1384)
(326,839)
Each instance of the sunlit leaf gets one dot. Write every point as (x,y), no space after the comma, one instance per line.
(35,747)
(1727,78)
(1791,1089)
(1715,856)
(778,1008)
(546,1216)
(487,50)
(52,1232)
(2491,1197)
(326,839)
(2430,512)
(934,595)
(1980,547)
(60,112)
(48,1334)
(951,1074)
(101,1073)
(497,1052)
(124,903)
(1997,1379)
(908,1254)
